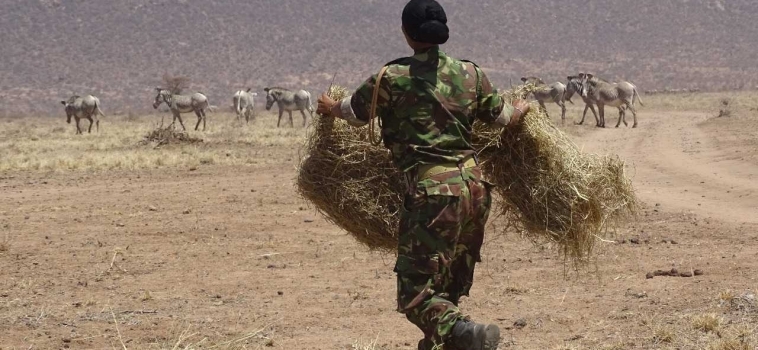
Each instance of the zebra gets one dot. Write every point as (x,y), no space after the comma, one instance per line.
(85,107)
(243,104)
(620,95)
(548,93)
(178,104)
(289,101)
(574,86)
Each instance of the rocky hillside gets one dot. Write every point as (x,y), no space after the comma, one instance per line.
(119,49)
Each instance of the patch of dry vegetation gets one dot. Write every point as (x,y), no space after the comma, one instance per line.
(49,144)
(5,243)
(726,326)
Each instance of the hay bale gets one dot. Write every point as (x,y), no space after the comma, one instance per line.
(547,188)
(353,183)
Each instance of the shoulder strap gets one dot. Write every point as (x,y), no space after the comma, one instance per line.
(372,111)
(478,82)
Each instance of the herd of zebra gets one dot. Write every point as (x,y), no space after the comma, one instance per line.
(88,107)
(593,91)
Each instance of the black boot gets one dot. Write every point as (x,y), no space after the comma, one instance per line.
(469,335)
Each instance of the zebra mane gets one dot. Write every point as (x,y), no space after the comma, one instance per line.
(277,88)
(72,98)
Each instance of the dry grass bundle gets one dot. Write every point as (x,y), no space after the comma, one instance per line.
(549,190)
(168,135)
(353,183)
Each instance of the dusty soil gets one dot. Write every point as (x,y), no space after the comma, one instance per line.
(154,258)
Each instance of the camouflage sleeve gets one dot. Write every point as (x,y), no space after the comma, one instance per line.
(360,102)
(491,108)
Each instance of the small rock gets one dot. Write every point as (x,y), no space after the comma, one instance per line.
(674,272)
(66,340)
(698,272)
(280,293)
(120,224)
(621,241)
(307,221)
(186,211)
(152,208)
(193,168)
(673,242)
(649,275)
(520,323)
(634,241)
(665,241)
(685,274)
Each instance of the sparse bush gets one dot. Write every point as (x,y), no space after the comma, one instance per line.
(175,84)
(725,110)
(706,323)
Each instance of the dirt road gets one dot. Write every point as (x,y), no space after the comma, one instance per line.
(149,259)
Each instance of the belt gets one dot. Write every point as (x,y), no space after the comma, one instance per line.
(426,171)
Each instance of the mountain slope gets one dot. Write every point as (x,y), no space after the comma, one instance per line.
(119,49)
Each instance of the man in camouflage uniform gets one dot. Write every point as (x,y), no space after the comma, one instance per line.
(427,104)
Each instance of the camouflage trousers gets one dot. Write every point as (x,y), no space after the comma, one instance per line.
(441,235)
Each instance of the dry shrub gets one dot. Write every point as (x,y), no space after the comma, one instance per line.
(706,322)
(725,110)
(548,189)
(168,135)
(175,84)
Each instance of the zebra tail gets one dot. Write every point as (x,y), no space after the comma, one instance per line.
(98,110)
(638,97)
(238,105)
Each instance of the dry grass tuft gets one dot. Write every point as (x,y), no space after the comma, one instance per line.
(663,335)
(725,110)
(360,345)
(549,189)
(5,243)
(168,135)
(706,323)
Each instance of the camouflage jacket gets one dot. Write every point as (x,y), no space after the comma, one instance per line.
(427,105)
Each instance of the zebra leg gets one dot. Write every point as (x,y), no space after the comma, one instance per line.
(291,124)
(199,119)
(634,114)
(543,108)
(594,113)
(179,116)
(304,117)
(281,112)
(89,130)
(205,118)
(584,115)
(601,110)
(622,116)
(563,111)
(78,130)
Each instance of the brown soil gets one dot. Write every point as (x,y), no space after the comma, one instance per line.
(222,252)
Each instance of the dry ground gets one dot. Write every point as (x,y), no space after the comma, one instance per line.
(106,243)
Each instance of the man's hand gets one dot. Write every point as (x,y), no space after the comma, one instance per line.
(520,109)
(326,105)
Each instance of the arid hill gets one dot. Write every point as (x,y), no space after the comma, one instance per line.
(119,49)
